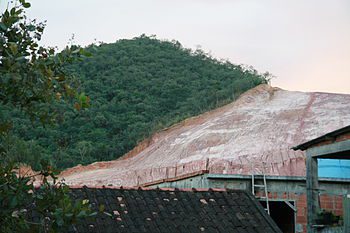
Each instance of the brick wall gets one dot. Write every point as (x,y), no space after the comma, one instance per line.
(301,214)
(333,203)
(339,138)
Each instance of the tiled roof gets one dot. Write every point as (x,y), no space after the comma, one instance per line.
(174,210)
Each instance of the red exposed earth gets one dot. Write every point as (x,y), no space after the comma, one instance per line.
(255,131)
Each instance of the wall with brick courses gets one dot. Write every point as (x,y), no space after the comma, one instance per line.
(339,138)
(333,203)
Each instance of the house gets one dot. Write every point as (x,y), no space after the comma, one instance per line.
(290,197)
(331,146)
(173,210)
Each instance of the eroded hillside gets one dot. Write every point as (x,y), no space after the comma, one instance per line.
(262,125)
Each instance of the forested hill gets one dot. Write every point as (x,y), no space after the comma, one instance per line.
(136,87)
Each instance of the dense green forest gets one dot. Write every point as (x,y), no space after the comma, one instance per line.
(136,87)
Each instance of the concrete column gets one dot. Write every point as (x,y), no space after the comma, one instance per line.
(311,191)
(346,209)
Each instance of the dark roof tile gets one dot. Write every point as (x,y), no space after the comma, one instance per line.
(173,210)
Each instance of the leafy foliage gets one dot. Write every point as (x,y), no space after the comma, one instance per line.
(137,87)
(47,208)
(32,80)
(30,74)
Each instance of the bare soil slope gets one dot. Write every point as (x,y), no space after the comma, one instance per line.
(261,126)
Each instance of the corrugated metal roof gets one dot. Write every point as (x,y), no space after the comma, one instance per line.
(323,138)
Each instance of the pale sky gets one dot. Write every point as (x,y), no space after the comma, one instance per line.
(304,43)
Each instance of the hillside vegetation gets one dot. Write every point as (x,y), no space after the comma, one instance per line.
(136,87)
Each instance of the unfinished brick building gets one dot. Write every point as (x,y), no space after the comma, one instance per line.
(287,195)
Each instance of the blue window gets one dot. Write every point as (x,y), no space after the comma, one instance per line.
(334,168)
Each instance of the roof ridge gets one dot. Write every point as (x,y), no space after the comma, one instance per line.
(157,188)
(263,212)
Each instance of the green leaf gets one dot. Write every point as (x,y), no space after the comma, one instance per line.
(13,11)
(22,58)
(93,214)
(13,202)
(3,26)
(60,222)
(82,214)
(101,208)
(108,214)
(26,4)
(13,47)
